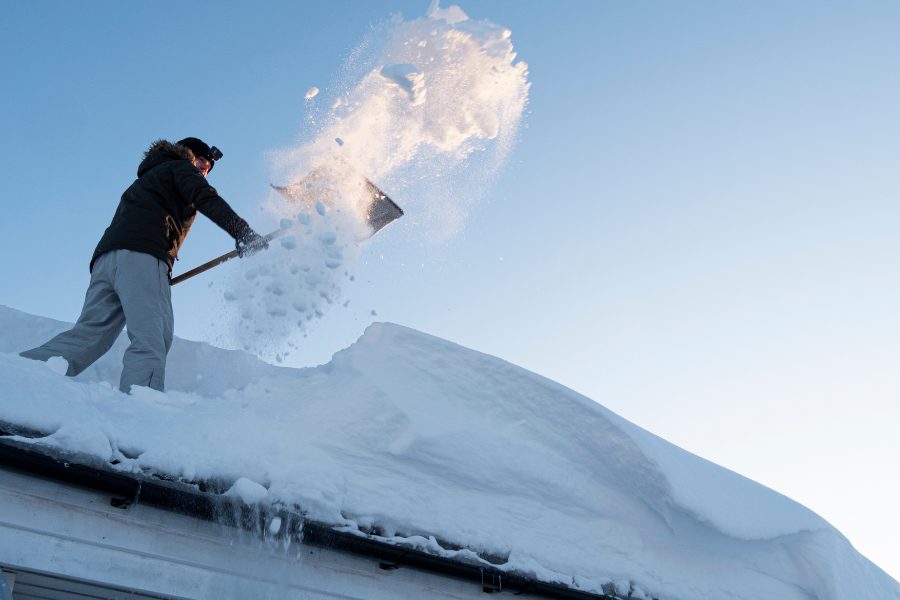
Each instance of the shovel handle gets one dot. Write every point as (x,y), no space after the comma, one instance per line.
(220,259)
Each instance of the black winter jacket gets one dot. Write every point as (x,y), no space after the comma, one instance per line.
(157,210)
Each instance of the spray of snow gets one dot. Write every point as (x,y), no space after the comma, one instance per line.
(437,99)
(276,294)
(428,110)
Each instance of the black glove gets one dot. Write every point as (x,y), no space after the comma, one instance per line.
(250,244)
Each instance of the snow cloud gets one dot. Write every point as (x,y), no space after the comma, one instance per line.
(428,110)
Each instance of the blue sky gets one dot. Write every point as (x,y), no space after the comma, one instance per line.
(697,227)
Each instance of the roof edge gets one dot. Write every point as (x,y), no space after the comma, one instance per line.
(204,500)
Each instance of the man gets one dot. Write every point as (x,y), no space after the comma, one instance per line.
(132,264)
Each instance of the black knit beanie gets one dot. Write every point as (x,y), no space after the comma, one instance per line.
(199,148)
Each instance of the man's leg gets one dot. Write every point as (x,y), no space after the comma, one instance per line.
(97,328)
(142,284)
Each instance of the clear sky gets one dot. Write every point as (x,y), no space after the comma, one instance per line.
(697,227)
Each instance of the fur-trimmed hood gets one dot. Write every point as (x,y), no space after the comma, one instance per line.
(161,151)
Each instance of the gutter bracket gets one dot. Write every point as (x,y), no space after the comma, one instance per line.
(491,582)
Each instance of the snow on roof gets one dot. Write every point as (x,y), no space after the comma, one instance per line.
(416,436)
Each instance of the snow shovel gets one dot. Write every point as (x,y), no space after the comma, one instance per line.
(338,178)
(380,211)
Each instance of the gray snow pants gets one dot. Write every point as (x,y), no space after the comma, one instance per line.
(126,288)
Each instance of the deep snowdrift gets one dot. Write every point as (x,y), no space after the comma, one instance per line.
(422,437)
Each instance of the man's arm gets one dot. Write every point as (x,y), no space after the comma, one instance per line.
(196,190)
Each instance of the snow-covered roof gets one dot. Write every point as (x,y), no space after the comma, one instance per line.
(415,438)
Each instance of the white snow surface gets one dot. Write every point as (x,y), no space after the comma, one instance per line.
(433,443)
